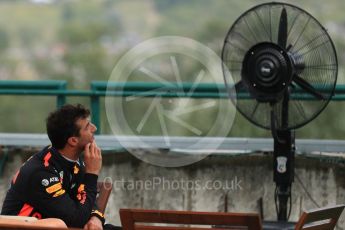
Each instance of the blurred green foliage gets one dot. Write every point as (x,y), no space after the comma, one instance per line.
(81,41)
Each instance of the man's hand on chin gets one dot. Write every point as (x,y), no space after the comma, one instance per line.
(92,158)
(93,224)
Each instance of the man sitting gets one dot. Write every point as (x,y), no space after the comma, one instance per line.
(55,182)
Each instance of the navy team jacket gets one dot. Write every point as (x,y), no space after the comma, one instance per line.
(49,186)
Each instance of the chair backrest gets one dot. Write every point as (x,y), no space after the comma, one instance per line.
(140,219)
(320,219)
(103,190)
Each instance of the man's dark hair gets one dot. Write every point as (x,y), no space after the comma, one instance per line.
(61,124)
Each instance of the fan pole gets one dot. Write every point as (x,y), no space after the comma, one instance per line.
(284,158)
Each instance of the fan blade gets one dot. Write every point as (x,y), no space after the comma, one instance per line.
(307,87)
(282,34)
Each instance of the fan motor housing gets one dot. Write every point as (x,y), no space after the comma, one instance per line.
(267,71)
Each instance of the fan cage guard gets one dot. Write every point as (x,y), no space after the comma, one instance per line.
(310,45)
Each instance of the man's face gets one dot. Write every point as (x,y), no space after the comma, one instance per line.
(86,132)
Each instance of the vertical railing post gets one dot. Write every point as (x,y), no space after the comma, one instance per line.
(61,98)
(95,108)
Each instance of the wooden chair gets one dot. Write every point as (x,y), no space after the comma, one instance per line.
(140,219)
(103,189)
(22,222)
(320,219)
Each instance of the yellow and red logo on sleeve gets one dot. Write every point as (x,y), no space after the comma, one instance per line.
(81,196)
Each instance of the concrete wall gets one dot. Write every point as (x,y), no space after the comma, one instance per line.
(216,183)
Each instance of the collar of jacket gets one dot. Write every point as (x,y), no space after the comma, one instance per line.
(57,157)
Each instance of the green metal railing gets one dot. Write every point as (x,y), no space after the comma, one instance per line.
(100,89)
(34,88)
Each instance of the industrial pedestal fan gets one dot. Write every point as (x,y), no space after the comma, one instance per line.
(284,66)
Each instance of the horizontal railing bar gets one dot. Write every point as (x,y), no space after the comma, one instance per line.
(18,84)
(188,89)
(179,143)
(152,93)
(102,85)
(47,92)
